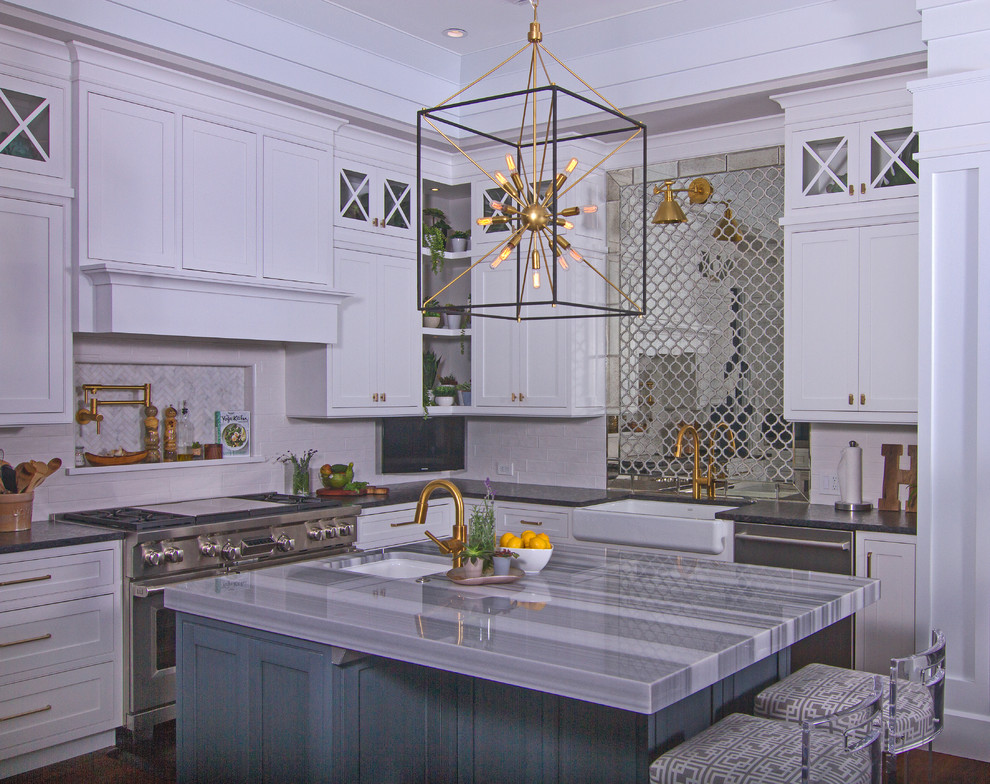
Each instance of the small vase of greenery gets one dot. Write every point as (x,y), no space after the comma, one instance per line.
(300,470)
(457,241)
(431,314)
(481,526)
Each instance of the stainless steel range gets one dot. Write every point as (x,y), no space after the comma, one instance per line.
(168,543)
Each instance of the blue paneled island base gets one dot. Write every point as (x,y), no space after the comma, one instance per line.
(583,673)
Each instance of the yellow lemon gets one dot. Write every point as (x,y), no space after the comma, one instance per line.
(543,536)
(528,535)
(506,538)
(515,542)
(539,544)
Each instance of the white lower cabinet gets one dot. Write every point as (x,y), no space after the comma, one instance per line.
(35,384)
(393,525)
(885,629)
(374,369)
(61,674)
(554,521)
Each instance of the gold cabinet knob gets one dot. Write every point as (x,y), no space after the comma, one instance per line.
(374,397)
(862,400)
(852,399)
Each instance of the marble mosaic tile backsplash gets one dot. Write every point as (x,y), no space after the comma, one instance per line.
(206,389)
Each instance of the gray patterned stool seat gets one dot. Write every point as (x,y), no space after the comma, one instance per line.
(819,690)
(743,749)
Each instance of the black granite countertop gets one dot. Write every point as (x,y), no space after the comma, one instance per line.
(44,534)
(504,491)
(822,516)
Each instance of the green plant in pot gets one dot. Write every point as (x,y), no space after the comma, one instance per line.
(435,228)
(457,240)
(431,313)
(431,364)
(445,391)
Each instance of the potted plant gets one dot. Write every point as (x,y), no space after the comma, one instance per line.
(457,241)
(465,393)
(473,560)
(455,318)
(501,561)
(445,391)
(435,228)
(431,314)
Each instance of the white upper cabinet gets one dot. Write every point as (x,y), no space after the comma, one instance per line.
(851,324)
(31,127)
(376,200)
(219,198)
(35,385)
(852,162)
(129,197)
(375,367)
(297,227)
(850,150)
(204,209)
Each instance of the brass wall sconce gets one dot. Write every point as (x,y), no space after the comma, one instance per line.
(727,229)
(90,410)
(669,211)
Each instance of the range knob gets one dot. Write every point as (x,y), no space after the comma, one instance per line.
(315,534)
(285,543)
(230,552)
(173,555)
(346,529)
(330,532)
(209,548)
(152,557)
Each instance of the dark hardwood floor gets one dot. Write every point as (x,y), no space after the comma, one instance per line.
(153,762)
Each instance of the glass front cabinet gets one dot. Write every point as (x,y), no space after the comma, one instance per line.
(30,123)
(852,162)
(371,199)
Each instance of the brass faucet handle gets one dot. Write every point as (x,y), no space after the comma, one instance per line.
(85,416)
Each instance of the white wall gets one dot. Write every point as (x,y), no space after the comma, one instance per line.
(827,443)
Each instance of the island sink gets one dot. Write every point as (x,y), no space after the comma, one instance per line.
(668,525)
(391,565)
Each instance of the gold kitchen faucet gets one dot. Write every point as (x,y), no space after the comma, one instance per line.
(458,538)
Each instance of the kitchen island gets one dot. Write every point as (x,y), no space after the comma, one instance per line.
(582,673)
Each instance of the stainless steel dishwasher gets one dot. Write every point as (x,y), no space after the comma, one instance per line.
(811,549)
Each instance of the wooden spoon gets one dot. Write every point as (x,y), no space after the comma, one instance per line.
(24,474)
(43,471)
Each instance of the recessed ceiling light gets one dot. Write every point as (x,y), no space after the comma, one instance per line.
(455,32)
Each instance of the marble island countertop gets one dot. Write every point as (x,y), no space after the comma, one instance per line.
(631,631)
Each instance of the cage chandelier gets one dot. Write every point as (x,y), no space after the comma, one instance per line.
(528,215)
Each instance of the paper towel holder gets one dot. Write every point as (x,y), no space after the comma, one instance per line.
(865,506)
(849,506)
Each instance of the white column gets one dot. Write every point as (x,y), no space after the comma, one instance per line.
(952,115)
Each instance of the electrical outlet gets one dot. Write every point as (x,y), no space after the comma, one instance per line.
(829,484)
(504,469)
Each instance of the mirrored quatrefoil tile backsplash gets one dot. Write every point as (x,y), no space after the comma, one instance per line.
(206,389)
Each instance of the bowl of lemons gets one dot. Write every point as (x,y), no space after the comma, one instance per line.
(532,550)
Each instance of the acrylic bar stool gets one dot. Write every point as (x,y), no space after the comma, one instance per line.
(914,704)
(845,747)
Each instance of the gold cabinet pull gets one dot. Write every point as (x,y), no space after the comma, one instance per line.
(862,187)
(374,397)
(513,397)
(862,400)
(521,397)
(26,580)
(530,522)
(399,525)
(852,399)
(852,189)
(383,397)
(374,221)
(23,642)
(869,565)
(25,713)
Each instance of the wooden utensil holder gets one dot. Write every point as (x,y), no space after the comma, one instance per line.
(15,511)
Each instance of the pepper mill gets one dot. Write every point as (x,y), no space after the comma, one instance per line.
(151,438)
(170,446)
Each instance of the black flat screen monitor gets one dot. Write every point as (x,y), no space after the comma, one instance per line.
(414,445)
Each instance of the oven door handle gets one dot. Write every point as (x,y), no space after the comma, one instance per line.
(143,591)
